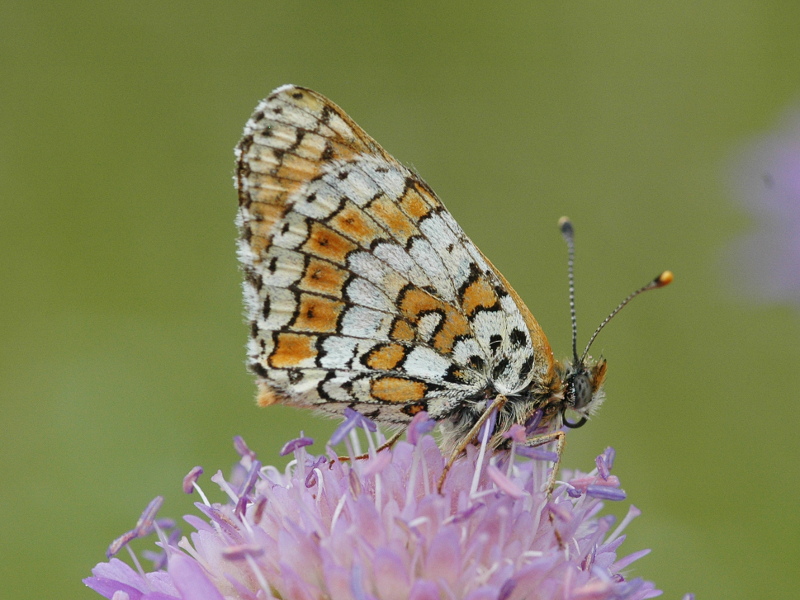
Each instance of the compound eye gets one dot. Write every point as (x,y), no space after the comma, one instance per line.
(582,390)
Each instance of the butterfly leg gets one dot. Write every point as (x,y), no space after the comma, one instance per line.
(540,440)
(387,444)
(496,405)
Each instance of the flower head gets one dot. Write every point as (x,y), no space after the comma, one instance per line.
(377,529)
(766,181)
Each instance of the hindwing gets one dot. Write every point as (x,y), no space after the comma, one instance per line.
(360,288)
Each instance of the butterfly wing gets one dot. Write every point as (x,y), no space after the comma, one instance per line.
(361,289)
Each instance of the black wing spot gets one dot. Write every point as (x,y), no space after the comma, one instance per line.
(476,362)
(253,278)
(259,370)
(266,308)
(526,368)
(294,375)
(453,374)
(500,291)
(517,337)
(495,342)
(347,386)
(499,369)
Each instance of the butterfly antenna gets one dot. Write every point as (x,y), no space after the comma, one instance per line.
(565,225)
(663,279)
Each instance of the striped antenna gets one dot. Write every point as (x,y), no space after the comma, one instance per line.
(565,225)
(665,278)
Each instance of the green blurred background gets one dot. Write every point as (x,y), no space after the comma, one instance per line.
(121,336)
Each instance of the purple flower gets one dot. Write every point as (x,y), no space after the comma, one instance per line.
(376,529)
(766,181)
(293,445)
(352,420)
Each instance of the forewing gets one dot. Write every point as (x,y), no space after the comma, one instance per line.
(360,287)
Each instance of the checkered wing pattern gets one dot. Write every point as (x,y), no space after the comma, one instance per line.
(361,289)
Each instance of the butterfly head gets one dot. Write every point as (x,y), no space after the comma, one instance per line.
(583,390)
(582,377)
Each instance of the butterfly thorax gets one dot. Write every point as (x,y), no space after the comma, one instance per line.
(574,389)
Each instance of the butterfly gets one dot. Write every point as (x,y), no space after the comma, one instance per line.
(362,290)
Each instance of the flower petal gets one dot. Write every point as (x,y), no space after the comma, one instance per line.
(190,578)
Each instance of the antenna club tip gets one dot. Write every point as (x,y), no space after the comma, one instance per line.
(565,225)
(664,279)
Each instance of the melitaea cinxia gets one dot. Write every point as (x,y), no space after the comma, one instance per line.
(362,291)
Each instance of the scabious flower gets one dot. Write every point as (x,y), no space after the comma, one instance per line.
(766,182)
(377,529)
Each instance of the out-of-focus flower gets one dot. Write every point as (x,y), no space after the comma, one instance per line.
(376,529)
(765,179)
